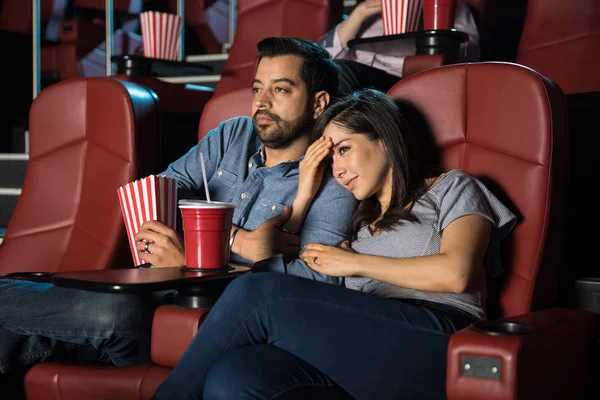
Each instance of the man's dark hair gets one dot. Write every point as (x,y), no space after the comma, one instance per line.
(318,71)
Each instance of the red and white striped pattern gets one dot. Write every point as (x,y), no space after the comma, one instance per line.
(400,16)
(160,34)
(153,198)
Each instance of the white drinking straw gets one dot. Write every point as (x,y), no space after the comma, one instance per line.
(204,177)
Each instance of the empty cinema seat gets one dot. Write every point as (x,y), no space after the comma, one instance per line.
(88,136)
(560,40)
(82,31)
(180,106)
(258,19)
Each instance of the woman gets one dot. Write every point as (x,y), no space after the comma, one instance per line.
(414,274)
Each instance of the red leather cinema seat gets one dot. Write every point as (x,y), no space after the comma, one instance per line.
(88,136)
(561,39)
(258,19)
(100,382)
(503,123)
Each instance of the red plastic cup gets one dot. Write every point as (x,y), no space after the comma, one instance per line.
(206,228)
(438,14)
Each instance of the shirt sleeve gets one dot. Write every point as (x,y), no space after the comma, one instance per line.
(331,42)
(327,222)
(465,195)
(465,22)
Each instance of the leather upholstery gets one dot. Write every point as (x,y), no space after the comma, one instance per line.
(234,103)
(76,40)
(88,136)
(549,363)
(414,64)
(180,108)
(173,325)
(506,124)
(258,19)
(173,97)
(57,381)
(560,40)
(501,122)
(79,36)
(187,321)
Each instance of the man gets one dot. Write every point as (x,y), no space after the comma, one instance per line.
(252,162)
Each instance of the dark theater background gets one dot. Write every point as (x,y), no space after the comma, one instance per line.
(558,39)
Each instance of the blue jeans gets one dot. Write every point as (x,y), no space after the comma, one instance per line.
(272,335)
(40,322)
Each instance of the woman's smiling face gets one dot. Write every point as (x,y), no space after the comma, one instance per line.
(358,163)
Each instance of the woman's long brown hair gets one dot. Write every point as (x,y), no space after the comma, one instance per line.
(375,115)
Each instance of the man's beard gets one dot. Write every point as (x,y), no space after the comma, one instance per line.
(280,133)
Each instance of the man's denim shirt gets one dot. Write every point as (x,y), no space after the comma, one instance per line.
(233,158)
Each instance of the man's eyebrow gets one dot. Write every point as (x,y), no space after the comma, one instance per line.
(285,80)
(256,81)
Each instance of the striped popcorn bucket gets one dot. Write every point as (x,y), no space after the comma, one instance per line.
(153,198)
(160,34)
(400,16)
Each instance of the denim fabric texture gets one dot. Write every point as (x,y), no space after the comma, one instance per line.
(370,347)
(40,322)
(233,157)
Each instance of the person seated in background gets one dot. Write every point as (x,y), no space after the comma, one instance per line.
(364,69)
(414,273)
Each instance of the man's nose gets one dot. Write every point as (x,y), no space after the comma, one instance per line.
(262,99)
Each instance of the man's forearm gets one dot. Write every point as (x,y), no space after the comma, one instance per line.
(235,245)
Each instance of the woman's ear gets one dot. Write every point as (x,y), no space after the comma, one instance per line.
(321,101)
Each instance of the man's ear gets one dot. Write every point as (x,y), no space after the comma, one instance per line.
(321,101)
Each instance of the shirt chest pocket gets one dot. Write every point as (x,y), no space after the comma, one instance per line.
(222,185)
(266,209)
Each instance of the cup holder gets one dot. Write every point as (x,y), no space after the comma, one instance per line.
(501,328)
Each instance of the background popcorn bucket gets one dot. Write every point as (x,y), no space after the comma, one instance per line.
(400,16)
(161,34)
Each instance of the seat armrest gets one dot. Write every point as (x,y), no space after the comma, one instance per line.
(414,64)
(547,362)
(173,328)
